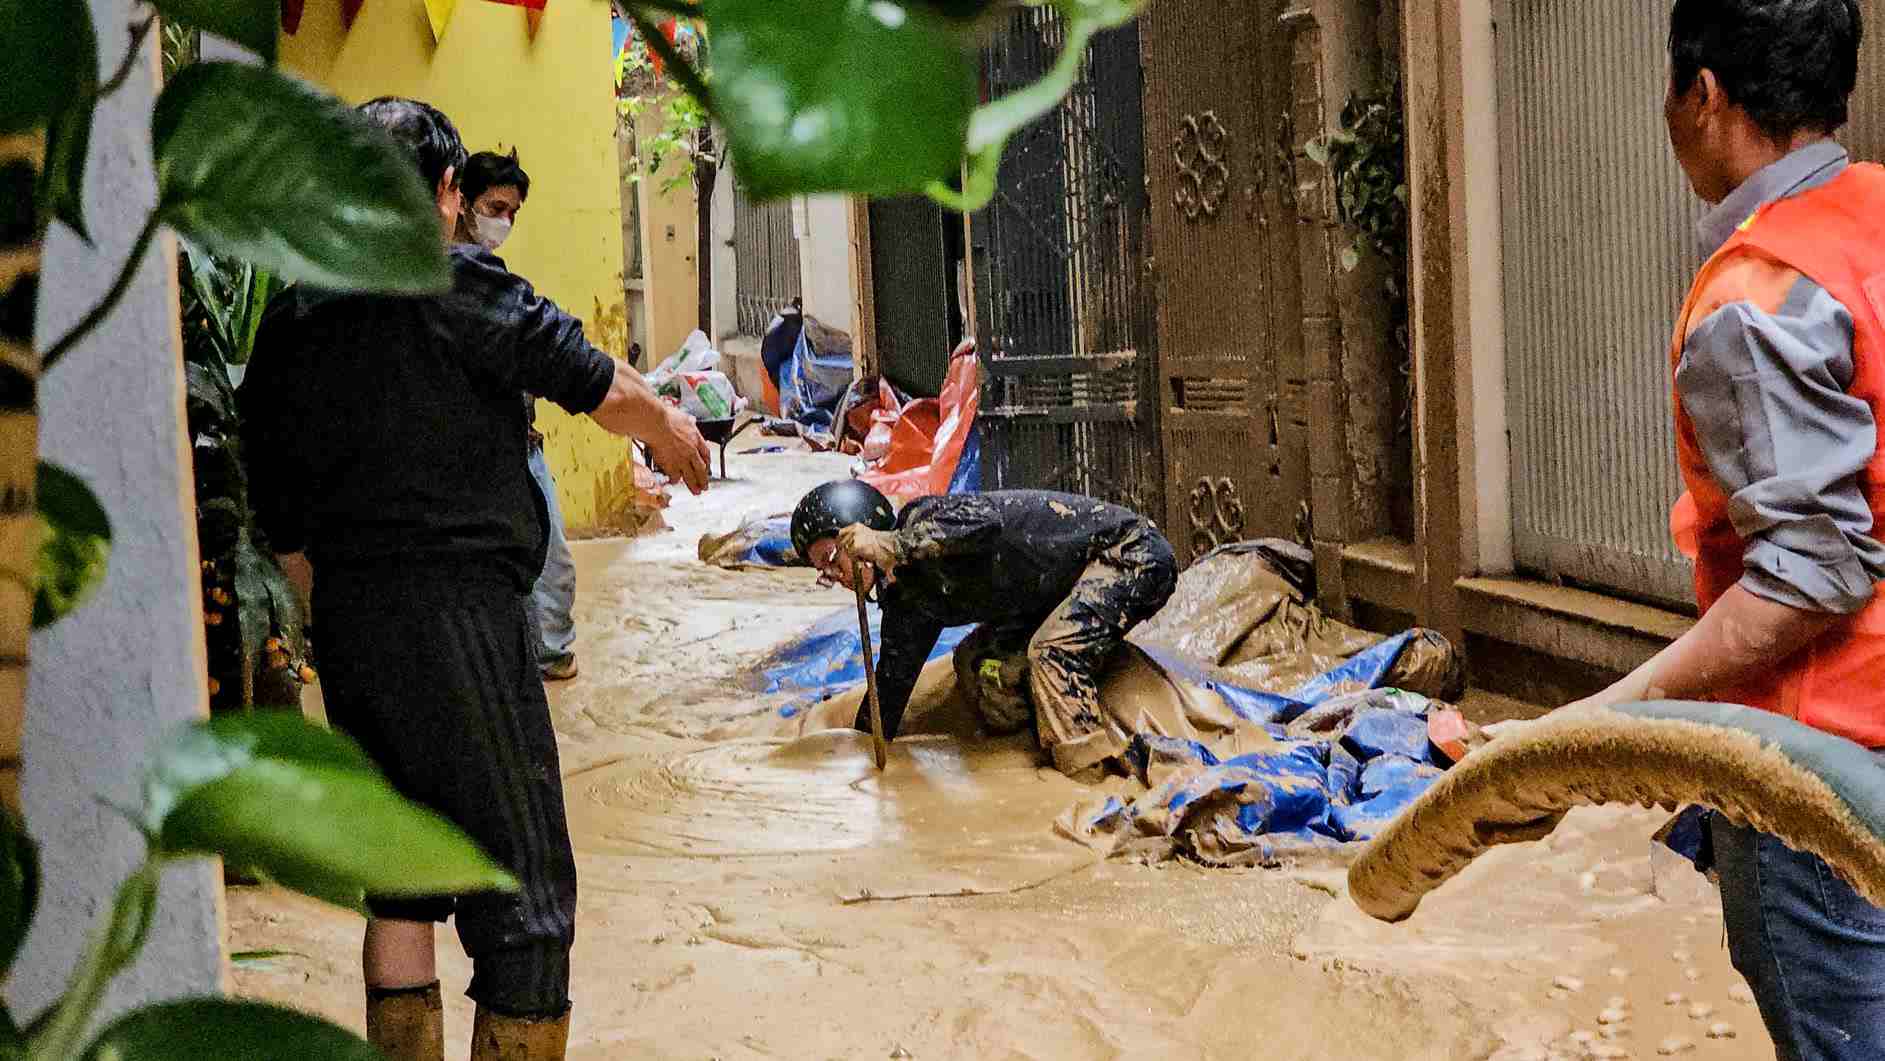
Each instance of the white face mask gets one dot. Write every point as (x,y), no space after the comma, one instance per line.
(492,231)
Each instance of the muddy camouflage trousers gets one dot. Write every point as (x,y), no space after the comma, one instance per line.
(1067,653)
(434,672)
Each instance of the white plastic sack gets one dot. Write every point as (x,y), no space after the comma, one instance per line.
(695,355)
(702,395)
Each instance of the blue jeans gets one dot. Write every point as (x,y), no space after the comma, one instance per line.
(1811,948)
(554,595)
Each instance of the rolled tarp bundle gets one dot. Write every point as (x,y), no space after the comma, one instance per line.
(1816,792)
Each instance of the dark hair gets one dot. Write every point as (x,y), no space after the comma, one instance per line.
(488,169)
(1790,64)
(424,131)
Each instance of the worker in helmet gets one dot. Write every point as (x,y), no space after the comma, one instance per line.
(1059,576)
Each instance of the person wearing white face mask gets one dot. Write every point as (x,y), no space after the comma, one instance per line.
(495,187)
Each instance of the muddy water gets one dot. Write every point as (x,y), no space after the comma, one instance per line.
(746,897)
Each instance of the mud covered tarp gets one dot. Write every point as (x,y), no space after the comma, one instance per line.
(827,660)
(1259,727)
(759,541)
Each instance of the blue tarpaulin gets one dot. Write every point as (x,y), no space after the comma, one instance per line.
(1367,759)
(828,659)
(812,382)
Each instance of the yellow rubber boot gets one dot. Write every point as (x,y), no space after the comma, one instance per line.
(495,1037)
(407,1023)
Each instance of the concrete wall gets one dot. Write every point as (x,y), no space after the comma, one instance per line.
(725,309)
(823,223)
(551,98)
(106,681)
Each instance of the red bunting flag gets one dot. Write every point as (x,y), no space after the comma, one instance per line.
(349,10)
(533,20)
(534,5)
(291,16)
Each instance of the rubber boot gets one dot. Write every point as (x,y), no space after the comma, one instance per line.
(495,1037)
(407,1023)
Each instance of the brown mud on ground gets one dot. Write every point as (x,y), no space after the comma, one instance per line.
(743,897)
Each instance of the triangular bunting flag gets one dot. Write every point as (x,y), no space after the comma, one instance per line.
(533,20)
(349,10)
(290,16)
(439,12)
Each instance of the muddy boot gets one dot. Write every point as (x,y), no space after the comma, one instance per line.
(407,1023)
(495,1037)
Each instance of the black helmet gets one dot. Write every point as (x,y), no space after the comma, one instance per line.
(835,506)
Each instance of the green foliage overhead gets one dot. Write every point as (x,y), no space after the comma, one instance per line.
(254,24)
(256,166)
(801,115)
(869,98)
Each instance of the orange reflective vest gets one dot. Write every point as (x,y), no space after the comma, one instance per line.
(1835,236)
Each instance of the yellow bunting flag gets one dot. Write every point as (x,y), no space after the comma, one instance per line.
(439,12)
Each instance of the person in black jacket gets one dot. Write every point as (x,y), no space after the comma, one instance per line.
(1063,576)
(386,441)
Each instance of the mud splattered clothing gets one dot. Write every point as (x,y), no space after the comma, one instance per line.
(1065,575)
(387,439)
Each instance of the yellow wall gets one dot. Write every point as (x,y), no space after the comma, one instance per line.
(551,98)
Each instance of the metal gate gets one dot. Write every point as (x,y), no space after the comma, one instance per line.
(1061,314)
(1600,245)
(765,260)
(1229,291)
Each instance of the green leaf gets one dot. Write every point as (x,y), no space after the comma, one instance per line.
(260,289)
(51,53)
(303,806)
(68,139)
(1351,259)
(209,389)
(1317,150)
(261,959)
(19,886)
(250,23)
(259,167)
(994,124)
(74,546)
(327,832)
(252,601)
(204,752)
(224,1029)
(839,95)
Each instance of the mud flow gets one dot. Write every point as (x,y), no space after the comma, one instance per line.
(751,886)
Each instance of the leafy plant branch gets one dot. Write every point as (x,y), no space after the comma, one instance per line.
(1367,161)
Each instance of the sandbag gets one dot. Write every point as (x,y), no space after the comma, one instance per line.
(1818,793)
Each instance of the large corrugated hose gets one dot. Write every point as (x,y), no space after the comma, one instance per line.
(1816,792)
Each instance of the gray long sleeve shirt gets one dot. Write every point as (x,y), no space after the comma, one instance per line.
(1766,388)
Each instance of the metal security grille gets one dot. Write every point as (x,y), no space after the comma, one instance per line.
(766,260)
(1600,245)
(1061,314)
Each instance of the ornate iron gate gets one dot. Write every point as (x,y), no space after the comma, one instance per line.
(1231,376)
(765,260)
(1062,316)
